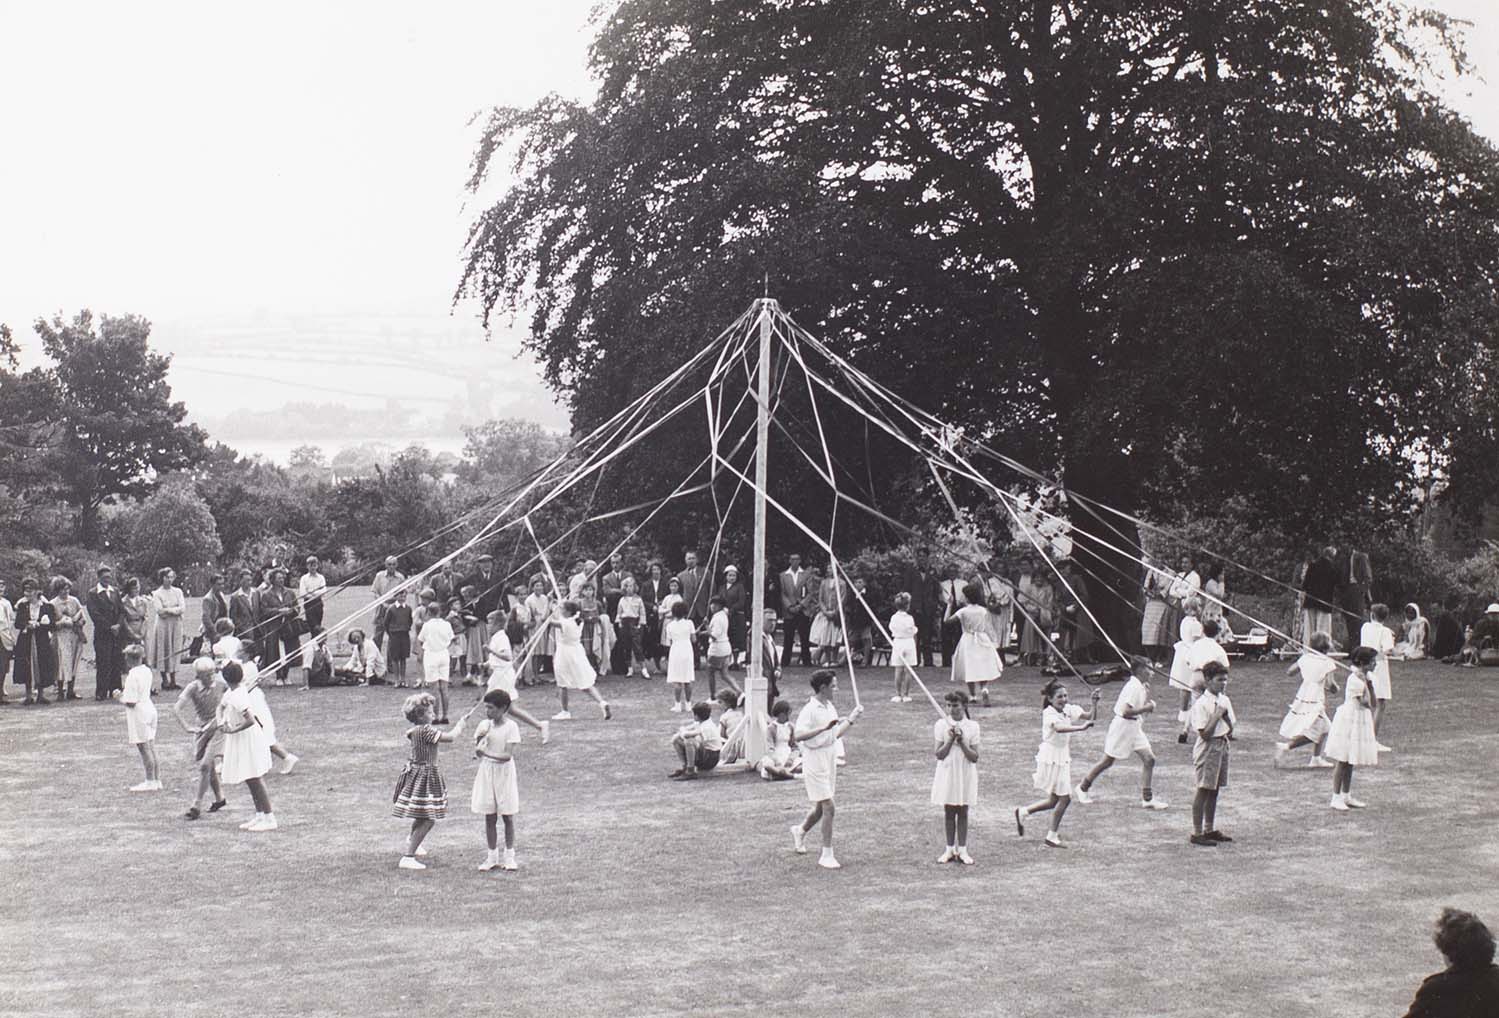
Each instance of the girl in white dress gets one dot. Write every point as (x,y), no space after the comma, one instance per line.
(247,751)
(496,794)
(1351,742)
(1306,723)
(781,761)
(1181,667)
(262,710)
(499,667)
(571,662)
(1377,634)
(976,661)
(902,647)
(1059,719)
(140,716)
(678,635)
(955,786)
(1412,645)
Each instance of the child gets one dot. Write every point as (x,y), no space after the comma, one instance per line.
(397,624)
(1212,719)
(140,716)
(729,723)
(781,761)
(1059,720)
(501,670)
(1181,668)
(476,630)
(976,660)
(436,638)
(678,635)
(1351,741)
(420,795)
(458,645)
(203,694)
(317,663)
(262,709)
(902,647)
(1306,723)
(366,665)
(631,619)
(818,728)
(516,629)
(698,744)
(1127,735)
(571,663)
(247,752)
(955,786)
(496,793)
(720,650)
(1378,635)
(225,645)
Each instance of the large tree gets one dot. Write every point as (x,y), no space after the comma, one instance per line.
(118,427)
(1169,250)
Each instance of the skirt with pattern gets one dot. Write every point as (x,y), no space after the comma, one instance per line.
(420,793)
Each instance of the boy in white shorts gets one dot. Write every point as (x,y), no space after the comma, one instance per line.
(818,729)
(1127,735)
(902,647)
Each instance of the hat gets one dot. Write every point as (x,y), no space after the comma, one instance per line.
(731,569)
(1491,609)
(104,567)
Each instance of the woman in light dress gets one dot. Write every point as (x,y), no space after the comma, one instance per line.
(164,642)
(1417,635)
(70,636)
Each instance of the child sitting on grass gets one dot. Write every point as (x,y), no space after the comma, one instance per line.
(729,723)
(698,743)
(781,761)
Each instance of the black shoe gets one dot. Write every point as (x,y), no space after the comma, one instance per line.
(1203,839)
(1182,738)
(217,805)
(192,814)
(676,774)
(1218,836)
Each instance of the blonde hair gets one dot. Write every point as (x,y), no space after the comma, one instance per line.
(417,705)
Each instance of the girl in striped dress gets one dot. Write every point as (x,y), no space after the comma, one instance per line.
(420,793)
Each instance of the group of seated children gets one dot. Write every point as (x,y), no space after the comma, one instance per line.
(704,743)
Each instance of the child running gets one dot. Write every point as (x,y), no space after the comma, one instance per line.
(781,761)
(1212,718)
(500,667)
(496,793)
(818,729)
(1126,735)
(1059,719)
(247,752)
(436,637)
(140,716)
(955,786)
(1306,723)
(420,795)
(1377,634)
(1351,742)
(571,662)
(902,647)
(678,636)
(1181,666)
(202,695)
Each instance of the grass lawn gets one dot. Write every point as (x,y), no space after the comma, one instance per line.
(640,896)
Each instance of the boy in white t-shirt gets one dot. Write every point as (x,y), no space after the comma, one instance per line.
(1212,718)
(698,743)
(140,716)
(496,792)
(225,644)
(435,637)
(1127,735)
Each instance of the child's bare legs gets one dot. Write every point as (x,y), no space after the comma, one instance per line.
(509,832)
(961,812)
(723,673)
(208,779)
(1186,703)
(526,716)
(442,698)
(1379,708)
(686,747)
(1147,772)
(1342,778)
(598,698)
(950,824)
(1059,803)
(419,830)
(821,811)
(562,693)
(148,758)
(491,831)
(258,793)
(1098,770)
(1204,809)
(1210,812)
(713,673)
(901,682)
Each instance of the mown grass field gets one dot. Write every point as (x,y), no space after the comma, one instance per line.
(640,896)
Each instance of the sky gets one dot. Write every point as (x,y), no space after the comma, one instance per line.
(291,174)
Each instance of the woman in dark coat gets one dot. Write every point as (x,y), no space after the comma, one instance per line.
(736,599)
(651,592)
(36,656)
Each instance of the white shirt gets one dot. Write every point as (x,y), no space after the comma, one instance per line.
(137,691)
(435,636)
(1205,707)
(718,635)
(1185,585)
(311,584)
(1201,653)
(226,648)
(709,732)
(496,739)
(1378,636)
(814,717)
(902,626)
(1051,718)
(1134,695)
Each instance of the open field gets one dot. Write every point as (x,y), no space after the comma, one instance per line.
(640,896)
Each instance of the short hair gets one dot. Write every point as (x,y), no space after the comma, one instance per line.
(356,631)
(131,583)
(1321,643)
(161,574)
(278,571)
(728,698)
(1210,628)
(1139,663)
(570,608)
(498,698)
(493,617)
(973,593)
(1363,657)
(134,652)
(102,570)
(822,678)
(956,696)
(627,585)
(216,578)
(902,601)
(1464,940)
(716,599)
(679,610)
(203,666)
(702,710)
(59,584)
(416,705)
(468,587)
(427,594)
(223,627)
(1380,612)
(233,673)
(27,583)
(1213,669)
(780,707)
(243,573)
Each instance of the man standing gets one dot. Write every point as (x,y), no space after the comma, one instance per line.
(797,624)
(610,584)
(695,594)
(445,583)
(104,611)
(1321,588)
(310,590)
(385,580)
(215,606)
(920,581)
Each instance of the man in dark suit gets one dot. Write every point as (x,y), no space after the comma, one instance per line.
(920,581)
(489,594)
(695,593)
(104,611)
(793,590)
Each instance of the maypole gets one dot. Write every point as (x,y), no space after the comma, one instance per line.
(754,683)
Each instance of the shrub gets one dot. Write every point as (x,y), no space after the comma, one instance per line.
(17,564)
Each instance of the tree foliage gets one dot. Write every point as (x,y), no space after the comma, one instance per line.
(173,527)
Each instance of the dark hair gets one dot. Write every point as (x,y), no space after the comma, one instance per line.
(1049,690)
(679,610)
(822,678)
(223,627)
(1464,939)
(1380,612)
(1363,657)
(131,583)
(570,608)
(973,593)
(958,696)
(1210,628)
(728,698)
(780,707)
(1139,663)
(715,599)
(1213,669)
(702,711)
(498,698)
(233,673)
(161,574)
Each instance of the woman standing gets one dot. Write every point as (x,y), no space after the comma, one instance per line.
(36,657)
(277,622)
(134,607)
(244,607)
(165,644)
(1155,627)
(1215,590)
(652,592)
(70,636)
(1040,604)
(736,600)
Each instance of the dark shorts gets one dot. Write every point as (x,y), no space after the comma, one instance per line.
(706,759)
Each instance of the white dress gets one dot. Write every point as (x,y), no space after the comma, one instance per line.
(495,787)
(1308,714)
(1181,668)
(140,720)
(1379,636)
(1352,738)
(902,640)
(819,753)
(956,782)
(976,658)
(1054,759)
(247,753)
(570,661)
(262,711)
(679,634)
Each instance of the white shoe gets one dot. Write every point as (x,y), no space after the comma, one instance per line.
(676,707)
(799,839)
(421,851)
(491,861)
(1383,748)
(895,699)
(905,699)
(144,786)
(1354,803)
(827,862)
(562,715)
(964,857)
(645,673)
(1281,749)
(949,855)
(1320,761)
(1153,804)
(156,785)
(267,822)
(251,822)
(1338,804)
(1053,841)
(291,761)
(508,861)
(1081,796)
(546,732)
(409,863)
